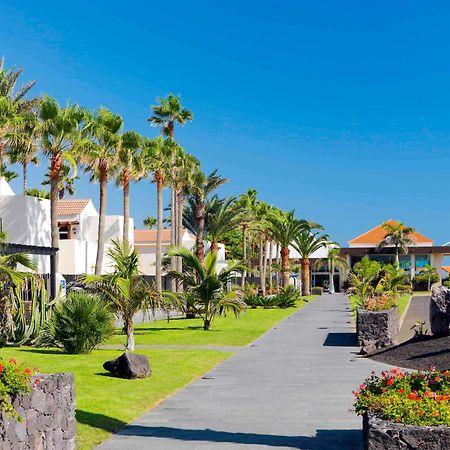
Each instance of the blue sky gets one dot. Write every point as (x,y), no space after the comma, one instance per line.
(340,110)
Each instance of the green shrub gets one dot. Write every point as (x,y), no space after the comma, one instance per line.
(79,323)
(317,290)
(415,398)
(446,283)
(420,282)
(287,297)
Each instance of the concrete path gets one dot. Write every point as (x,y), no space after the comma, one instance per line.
(419,309)
(290,389)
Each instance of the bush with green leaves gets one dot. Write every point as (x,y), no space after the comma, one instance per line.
(288,297)
(79,323)
(420,282)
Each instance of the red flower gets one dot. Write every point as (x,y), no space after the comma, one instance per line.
(413,396)
(27,371)
(401,391)
(1,368)
(390,382)
(13,361)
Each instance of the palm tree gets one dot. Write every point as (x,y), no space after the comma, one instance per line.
(334,261)
(149,222)
(157,155)
(10,277)
(397,235)
(100,158)
(60,139)
(131,168)
(306,243)
(201,187)
(66,182)
(429,272)
(168,112)
(284,228)
(207,286)
(124,289)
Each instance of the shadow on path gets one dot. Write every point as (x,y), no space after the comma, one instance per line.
(99,421)
(340,340)
(324,439)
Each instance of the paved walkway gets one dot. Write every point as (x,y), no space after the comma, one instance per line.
(290,389)
(419,309)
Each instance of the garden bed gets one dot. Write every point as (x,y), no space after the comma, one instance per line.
(417,353)
(377,328)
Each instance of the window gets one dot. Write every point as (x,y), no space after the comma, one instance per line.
(64,231)
(422,261)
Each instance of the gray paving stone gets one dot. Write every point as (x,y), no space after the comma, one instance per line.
(290,389)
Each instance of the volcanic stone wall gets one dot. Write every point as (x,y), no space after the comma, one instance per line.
(378,328)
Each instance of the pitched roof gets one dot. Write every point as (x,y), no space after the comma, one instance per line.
(446,268)
(71,207)
(375,235)
(143,236)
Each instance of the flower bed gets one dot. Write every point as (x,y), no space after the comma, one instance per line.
(377,329)
(405,410)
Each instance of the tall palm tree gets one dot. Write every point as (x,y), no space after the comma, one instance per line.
(157,155)
(429,272)
(306,243)
(100,158)
(125,289)
(284,228)
(201,187)
(207,286)
(334,261)
(60,139)
(165,115)
(131,167)
(397,236)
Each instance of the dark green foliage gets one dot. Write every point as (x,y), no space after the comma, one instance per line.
(287,297)
(80,323)
(420,282)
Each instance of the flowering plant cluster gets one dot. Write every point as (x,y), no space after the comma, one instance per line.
(14,380)
(416,398)
(380,303)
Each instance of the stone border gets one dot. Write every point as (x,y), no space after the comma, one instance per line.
(377,329)
(48,414)
(380,434)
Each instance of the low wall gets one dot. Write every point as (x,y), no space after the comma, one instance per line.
(48,417)
(378,328)
(381,434)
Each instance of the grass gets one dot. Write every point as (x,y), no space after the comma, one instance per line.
(224,331)
(403,303)
(106,404)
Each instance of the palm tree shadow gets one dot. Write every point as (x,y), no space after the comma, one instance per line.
(324,439)
(100,421)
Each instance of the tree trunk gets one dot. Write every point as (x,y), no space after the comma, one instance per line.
(101,220)
(331,282)
(173,230)
(24,168)
(130,334)
(305,276)
(214,246)
(397,259)
(200,248)
(285,265)
(262,250)
(244,253)
(429,282)
(277,260)
(159,226)
(126,205)
(180,211)
(55,169)
(207,324)
(270,264)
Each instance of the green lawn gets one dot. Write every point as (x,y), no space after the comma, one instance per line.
(224,331)
(403,302)
(106,404)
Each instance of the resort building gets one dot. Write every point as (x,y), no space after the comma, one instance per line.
(421,252)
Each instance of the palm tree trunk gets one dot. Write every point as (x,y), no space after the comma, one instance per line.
(159,226)
(214,246)
(285,265)
(126,205)
(173,232)
(180,211)
(277,260)
(55,169)
(270,264)
(24,169)
(200,250)
(244,253)
(305,276)
(101,220)
(261,268)
(331,282)
(264,266)
(130,334)
(397,259)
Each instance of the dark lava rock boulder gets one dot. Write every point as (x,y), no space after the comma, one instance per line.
(440,311)
(129,365)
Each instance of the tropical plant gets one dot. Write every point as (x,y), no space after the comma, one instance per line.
(334,261)
(397,236)
(131,168)
(284,228)
(80,322)
(362,279)
(430,273)
(35,192)
(125,290)
(306,243)
(287,297)
(100,157)
(393,281)
(207,286)
(149,222)
(66,183)
(60,139)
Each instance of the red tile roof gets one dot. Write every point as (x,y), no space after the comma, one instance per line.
(149,236)
(446,268)
(71,207)
(375,235)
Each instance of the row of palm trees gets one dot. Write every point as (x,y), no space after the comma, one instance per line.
(70,136)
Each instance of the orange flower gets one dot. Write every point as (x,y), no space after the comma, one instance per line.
(435,414)
(420,412)
(413,396)
(1,368)
(401,391)
(390,382)
(13,361)
(27,371)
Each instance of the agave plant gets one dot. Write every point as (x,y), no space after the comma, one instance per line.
(206,286)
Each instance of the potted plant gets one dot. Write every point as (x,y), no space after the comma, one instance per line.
(375,291)
(405,410)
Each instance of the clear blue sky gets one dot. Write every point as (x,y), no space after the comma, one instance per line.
(340,110)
